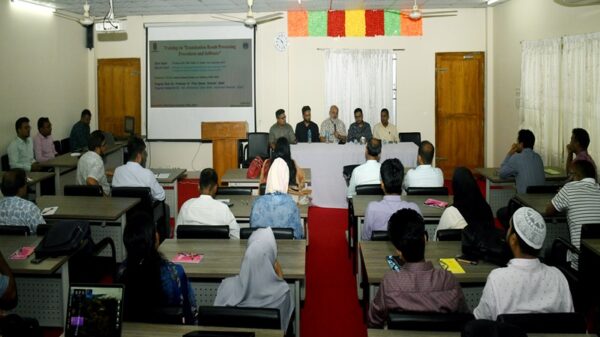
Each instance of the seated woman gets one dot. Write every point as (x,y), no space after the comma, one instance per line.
(282,150)
(469,205)
(276,208)
(260,283)
(151,281)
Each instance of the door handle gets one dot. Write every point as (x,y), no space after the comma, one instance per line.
(440,158)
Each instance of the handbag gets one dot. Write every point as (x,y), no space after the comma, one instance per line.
(255,167)
(65,238)
(485,244)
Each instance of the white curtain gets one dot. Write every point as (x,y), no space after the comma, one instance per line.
(359,79)
(581,87)
(540,97)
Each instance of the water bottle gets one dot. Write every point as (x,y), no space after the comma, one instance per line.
(309,134)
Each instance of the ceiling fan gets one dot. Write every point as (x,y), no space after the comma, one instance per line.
(86,19)
(250,21)
(416,13)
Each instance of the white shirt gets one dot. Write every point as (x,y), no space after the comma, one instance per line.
(387,133)
(524,286)
(90,165)
(133,174)
(365,174)
(206,211)
(423,176)
(451,219)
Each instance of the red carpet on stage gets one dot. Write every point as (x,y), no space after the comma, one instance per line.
(331,307)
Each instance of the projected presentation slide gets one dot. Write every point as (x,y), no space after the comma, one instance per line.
(201,73)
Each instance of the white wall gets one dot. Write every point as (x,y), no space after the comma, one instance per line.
(295,77)
(44,71)
(515,21)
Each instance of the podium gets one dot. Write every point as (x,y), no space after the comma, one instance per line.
(224,137)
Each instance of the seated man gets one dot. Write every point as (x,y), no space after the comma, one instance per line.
(281,129)
(580,198)
(526,285)
(135,174)
(43,144)
(90,169)
(385,131)
(424,175)
(417,286)
(80,132)
(368,172)
(15,210)
(20,150)
(359,128)
(8,286)
(378,213)
(205,210)
(577,148)
(333,128)
(306,127)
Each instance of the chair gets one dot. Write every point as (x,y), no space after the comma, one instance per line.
(5,163)
(542,189)
(14,230)
(57,147)
(428,321)
(427,190)
(371,189)
(84,190)
(562,322)
(380,236)
(147,205)
(279,233)
(449,235)
(258,145)
(257,318)
(262,188)
(65,145)
(91,267)
(234,191)
(347,172)
(202,232)
(414,137)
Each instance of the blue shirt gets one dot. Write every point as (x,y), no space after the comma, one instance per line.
(527,168)
(276,210)
(355,132)
(378,213)
(16,211)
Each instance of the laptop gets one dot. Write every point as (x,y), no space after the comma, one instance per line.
(94,310)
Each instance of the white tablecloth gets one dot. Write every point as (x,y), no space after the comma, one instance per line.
(328,160)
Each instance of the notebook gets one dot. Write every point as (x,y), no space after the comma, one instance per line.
(94,310)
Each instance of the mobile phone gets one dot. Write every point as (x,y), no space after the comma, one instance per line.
(394,262)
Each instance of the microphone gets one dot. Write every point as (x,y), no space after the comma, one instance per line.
(334,127)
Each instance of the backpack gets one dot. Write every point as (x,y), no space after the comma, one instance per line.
(65,238)
(255,168)
(488,244)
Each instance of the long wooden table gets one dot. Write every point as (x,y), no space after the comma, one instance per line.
(42,288)
(222,258)
(109,212)
(373,254)
(237,177)
(556,225)
(163,330)
(399,333)
(34,179)
(68,162)
(499,191)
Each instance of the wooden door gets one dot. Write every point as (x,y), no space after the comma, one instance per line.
(119,94)
(459,98)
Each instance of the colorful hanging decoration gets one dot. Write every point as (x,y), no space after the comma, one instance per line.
(352,23)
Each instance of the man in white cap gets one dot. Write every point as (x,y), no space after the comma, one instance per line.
(526,285)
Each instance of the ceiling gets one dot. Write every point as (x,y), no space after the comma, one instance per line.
(161,7)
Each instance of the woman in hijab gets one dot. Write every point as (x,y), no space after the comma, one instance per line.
(152,281)
(469,207)
(260,283)
(282,150)
(276,208)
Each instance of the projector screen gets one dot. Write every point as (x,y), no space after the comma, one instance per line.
(198,73)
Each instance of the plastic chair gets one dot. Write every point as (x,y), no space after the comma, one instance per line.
(258,145)
(542,189)
(371,189)
(147,205)
(449,235)
(562,322)
(65,145)
(202,232)
(83,190)
(234,191)
(279,233)
(427,190)
(257,318)
(428,321)
(414,137)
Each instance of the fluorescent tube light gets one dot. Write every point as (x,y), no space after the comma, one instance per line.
(32,7)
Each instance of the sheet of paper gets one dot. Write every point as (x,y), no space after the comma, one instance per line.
(551,171)
(161,175)
(49,210)
(75,154)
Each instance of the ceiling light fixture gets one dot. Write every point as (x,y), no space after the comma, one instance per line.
(34,7)
(491,2)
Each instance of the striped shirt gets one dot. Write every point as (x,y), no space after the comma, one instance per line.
(416,287)
(581,200)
